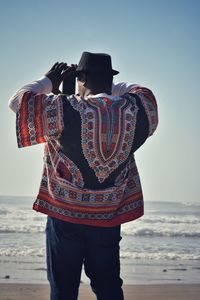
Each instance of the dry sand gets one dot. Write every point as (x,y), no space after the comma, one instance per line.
(132,292)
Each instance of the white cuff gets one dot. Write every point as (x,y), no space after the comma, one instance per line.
(121,88)
(46,84)
(42,85)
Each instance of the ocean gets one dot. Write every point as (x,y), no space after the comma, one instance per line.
(161,247)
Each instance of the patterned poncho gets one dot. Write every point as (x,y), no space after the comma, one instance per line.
(90,175)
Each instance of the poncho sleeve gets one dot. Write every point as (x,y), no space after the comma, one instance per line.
(39,119)
(147,99)
(150,105)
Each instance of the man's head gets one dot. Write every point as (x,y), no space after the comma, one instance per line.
(95,74)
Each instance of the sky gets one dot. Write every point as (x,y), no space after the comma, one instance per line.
(154,43)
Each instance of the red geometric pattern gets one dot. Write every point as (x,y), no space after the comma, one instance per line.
(150,106)
(39,119)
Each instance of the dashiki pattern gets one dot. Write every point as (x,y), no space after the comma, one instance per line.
(60,196)
(107,134)
(150,106)
(108,129)
(39,119)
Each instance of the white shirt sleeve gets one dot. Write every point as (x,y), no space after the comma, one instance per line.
(42,85)
(122,88)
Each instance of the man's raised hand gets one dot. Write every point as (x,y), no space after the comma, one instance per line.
(58,73)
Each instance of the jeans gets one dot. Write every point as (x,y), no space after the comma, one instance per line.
(70,246)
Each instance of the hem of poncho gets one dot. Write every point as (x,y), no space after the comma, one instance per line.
(115,221)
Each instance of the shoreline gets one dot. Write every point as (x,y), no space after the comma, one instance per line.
(181,291)
(25,270)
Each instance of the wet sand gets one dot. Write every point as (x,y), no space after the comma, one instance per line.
(132,292)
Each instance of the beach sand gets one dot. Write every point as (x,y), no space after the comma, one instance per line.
(132,292)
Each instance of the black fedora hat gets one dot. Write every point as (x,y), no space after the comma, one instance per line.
(95,63)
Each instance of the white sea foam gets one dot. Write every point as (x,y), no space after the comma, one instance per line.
(16,219)
(22,251)
(159,255)
(20,228)
(164,226)
(163,232)
(171,219)
(142,255)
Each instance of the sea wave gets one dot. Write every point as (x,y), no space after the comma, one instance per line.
(31,228)
(145,227)
(163,231)
(159,256)
(171,219)
(22,251)
(21,220)
(142,255)
(140,232)
(144,232)
(3,211)
(189,204)
(163,227)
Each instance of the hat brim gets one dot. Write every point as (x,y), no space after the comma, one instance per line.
(113,72)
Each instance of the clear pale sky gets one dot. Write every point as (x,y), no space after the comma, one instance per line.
(153,43)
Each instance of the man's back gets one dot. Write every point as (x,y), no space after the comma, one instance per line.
(101,134)
(90,176)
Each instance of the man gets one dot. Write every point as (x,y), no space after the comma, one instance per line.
(90,183)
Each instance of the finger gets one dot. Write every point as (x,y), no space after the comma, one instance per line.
(57,66)
(61,66)
(65,66)
(70,69)
(74,66)
(69,72)
(54,66)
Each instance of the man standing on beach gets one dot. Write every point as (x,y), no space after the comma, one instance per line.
(90,183)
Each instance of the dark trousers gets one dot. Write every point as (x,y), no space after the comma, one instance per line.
(70,246)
